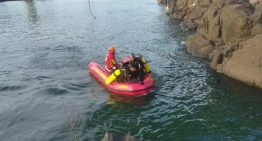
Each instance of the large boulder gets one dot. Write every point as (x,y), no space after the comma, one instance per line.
(255,2)
(241,61)
(227,21)
(199,46)
(188,24)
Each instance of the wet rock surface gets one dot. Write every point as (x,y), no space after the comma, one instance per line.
(228,32)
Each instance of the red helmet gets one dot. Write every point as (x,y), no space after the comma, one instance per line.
(112,48)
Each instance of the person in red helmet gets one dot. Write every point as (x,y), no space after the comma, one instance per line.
(110,60)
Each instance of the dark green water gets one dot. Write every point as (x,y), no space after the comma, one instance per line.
(45,47)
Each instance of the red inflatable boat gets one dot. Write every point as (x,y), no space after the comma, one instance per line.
(125,88)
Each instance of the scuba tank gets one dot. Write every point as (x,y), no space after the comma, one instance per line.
(113,76)
(146,66)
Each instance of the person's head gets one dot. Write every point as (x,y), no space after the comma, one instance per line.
(132,56)
(112,49)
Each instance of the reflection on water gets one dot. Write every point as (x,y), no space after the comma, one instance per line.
(129,102)
(33,17)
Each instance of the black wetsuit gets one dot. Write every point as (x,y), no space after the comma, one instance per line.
(139,73)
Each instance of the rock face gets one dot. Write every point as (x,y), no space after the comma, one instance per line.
(199,45)
(229,33)
(255,2)
(112,137)
(241,61)
(190,11)
(226,21)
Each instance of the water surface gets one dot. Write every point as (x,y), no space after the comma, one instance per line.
(45,47)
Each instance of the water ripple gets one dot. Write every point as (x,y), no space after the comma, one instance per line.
(10,88)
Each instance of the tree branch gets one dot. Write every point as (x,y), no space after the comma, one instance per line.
(69,124)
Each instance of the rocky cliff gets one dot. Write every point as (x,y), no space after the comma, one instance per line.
(229,33)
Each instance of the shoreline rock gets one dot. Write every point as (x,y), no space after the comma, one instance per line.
(229,33)
(190,11)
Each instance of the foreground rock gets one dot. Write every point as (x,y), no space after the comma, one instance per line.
(229,33)
(112,137)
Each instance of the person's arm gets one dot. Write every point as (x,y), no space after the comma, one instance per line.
(107,61)
(114,60)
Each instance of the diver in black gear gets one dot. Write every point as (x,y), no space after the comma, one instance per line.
(135,69)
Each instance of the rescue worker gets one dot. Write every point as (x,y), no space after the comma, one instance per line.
(110,61)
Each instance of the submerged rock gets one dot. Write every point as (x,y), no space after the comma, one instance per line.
(112,137)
